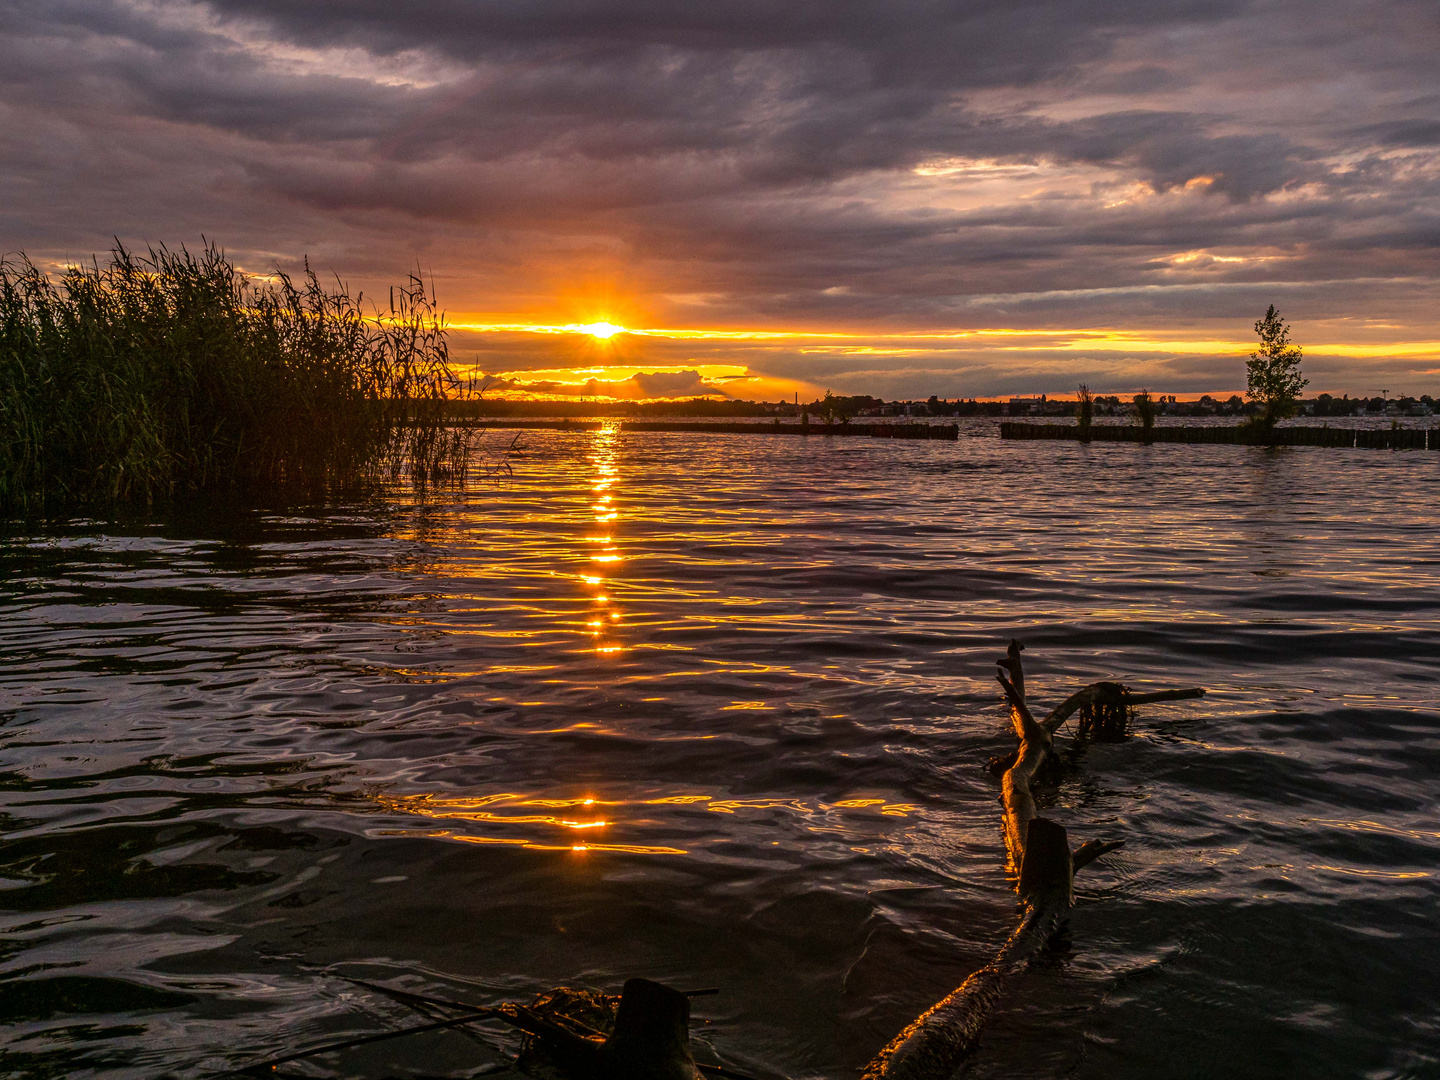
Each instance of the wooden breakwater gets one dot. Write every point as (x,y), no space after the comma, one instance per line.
(949,432)
(1236,435)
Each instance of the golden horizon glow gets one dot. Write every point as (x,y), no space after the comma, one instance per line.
(1098,339)
(625,382)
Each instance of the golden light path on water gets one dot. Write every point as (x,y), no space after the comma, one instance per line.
(585,814)
(601,565)
(604,615)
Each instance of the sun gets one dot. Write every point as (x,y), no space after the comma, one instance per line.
(602,330)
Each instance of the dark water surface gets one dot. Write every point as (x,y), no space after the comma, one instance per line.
(715,710)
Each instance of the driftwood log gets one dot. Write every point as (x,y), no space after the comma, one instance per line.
(940,1039)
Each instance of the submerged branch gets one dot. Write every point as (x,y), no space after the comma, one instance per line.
(936,1043)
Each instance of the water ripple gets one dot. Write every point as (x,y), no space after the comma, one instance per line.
(716,709)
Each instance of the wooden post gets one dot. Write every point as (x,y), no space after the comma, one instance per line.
(651,1040)
(648,1038)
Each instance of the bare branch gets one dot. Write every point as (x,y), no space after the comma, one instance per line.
(1011,663)
(1087,695)
(1091,850)
(1110,693)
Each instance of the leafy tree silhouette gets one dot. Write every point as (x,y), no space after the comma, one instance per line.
(1273,371)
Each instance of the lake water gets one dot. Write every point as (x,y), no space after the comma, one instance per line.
(715,710)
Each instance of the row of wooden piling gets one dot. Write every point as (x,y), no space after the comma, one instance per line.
(949,432)
(1237,435)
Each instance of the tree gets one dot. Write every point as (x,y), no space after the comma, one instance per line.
(1084,411)
(1145,406)
(1273,379)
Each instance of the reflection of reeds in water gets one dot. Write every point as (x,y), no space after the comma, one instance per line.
(175,374)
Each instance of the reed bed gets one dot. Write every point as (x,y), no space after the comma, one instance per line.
(172,374)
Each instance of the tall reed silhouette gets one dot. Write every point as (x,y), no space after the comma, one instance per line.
(175,374)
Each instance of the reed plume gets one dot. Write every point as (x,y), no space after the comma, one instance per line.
(175,374)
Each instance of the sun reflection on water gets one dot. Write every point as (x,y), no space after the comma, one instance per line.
(605,459)
(508,812)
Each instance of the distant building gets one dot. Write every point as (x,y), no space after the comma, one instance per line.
(1022,406)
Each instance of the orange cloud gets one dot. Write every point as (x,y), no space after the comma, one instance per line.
(617,383)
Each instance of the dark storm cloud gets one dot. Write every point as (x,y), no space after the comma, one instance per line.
(1411,133)
(927,163)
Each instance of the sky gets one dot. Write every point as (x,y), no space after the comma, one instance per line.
(900,198)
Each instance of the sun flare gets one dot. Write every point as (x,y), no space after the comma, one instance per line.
(602,330)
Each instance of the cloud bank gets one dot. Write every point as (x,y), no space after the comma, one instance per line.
(1165,168)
